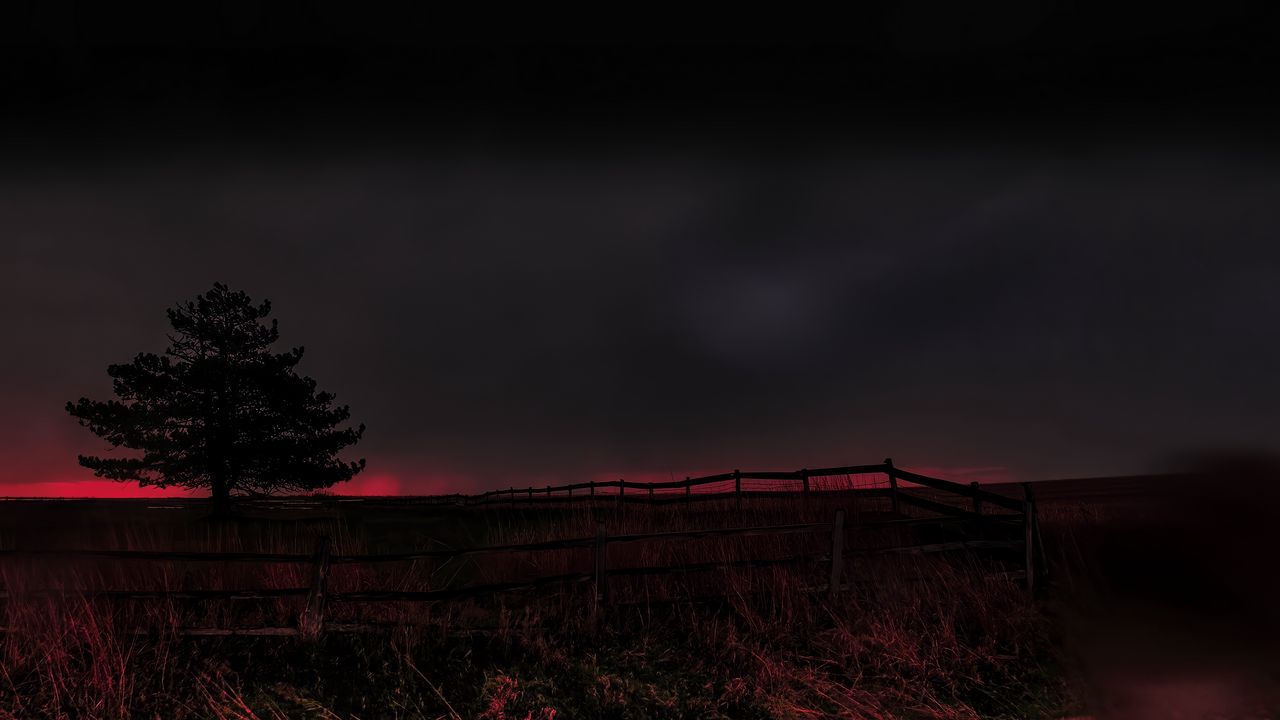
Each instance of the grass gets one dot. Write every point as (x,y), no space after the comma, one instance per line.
(912,638)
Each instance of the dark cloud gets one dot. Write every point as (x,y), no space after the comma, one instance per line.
(1017,238)
(495,313)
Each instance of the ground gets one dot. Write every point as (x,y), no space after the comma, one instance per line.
(909,638)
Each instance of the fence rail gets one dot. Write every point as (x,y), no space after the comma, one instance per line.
(1019,526)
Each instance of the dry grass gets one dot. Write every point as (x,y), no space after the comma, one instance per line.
(913,638)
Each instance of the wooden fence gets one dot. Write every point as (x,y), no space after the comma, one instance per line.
(950,504)
(734,484)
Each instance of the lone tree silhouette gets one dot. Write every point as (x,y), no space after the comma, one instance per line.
(219,410)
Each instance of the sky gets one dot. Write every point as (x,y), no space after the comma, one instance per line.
(1016,247)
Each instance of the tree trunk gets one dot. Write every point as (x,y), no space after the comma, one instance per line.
(221,499)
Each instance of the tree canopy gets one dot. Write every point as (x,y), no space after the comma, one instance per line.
(219,410)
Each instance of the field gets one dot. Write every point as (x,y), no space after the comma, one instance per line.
(1131,587)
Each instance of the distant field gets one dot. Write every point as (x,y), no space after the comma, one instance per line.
(1098,491)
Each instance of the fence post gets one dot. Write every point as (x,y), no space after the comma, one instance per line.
(513,496)
(737,488)
(622,490)
(531,492)
(1028,528)
(312,622)
(804,476)
(837,553)
(977,501)
(1043,562)
(688,488)
(593,489)
(602,569)
(548,492)
(893,483)
(651,494)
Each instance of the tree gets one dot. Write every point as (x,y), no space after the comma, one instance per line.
(220,410)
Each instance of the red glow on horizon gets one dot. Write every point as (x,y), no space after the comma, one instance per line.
(382,484)
(392,484)
(372,485)
(92,488)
